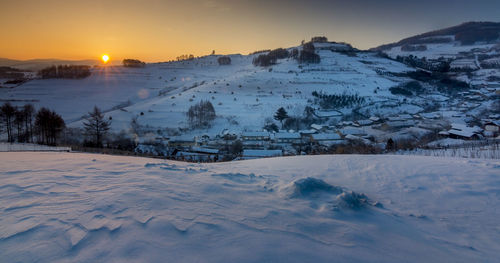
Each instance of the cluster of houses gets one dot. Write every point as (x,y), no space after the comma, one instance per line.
(261,144)
(491,129)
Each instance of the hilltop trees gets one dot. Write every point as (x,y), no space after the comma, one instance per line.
(96,127)
(319,39)
(185,57)
(133,63)
(65,72)
(279,53)
(225,60)
(264,60)
(281,115)
(201,114)
(308,55)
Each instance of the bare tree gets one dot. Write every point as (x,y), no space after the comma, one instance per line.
(49,126)
(96,126)
(28,111)
(8,114)
(201,114)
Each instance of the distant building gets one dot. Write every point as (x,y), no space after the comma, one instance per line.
(492,128)
(182,141)
(325,138)
(288,137)
(256,136)
(255,154)
(461,131)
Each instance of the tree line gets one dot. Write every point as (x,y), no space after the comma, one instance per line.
(306,55)
(65,72)
(133,63)
(25,124)
(185,57)
(336,101)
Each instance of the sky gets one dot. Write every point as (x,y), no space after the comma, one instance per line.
(155,30)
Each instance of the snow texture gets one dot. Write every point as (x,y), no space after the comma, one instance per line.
(75,207)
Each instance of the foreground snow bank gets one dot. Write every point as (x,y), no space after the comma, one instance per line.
(73,207)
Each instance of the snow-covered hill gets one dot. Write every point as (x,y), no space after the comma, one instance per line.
(405,102)
(448,42)
(69,207)
(160,94)
(472,50)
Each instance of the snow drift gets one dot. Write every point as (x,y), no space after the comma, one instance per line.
(70,207)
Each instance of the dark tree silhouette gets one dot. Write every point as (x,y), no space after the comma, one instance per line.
(390,145)
(96,126)
(225,60)
(133,63)
(8,113)
(65,71)
(281,115)
(201,114)
(49,126)
(264,60)
(19,123)
(28,111)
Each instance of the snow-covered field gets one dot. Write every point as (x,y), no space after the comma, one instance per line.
(243,95)
(72,207)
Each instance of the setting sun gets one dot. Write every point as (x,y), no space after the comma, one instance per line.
(105,58)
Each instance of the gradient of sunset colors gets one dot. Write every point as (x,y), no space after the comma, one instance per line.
(154,30)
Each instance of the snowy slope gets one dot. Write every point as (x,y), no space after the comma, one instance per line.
(70,207)
(163,92)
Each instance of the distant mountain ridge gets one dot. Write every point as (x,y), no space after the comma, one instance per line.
(466,33)
(37,64)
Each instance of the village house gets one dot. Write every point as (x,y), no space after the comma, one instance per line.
(326,138)
(256,136)
(249,154)
(318,127)
(353,131)
(461,131)
(288,137)
(182,141)
(363,122)
(491,128)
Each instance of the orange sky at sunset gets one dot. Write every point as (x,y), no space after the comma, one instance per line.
(161,30)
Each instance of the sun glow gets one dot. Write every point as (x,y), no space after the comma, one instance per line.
(105,58)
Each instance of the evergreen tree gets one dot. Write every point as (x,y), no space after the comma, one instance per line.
(281,115)
(390,146)
(96,126)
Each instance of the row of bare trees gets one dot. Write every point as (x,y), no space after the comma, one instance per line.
(24,124)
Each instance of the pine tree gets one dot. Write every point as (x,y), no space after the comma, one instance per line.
(96,126)
(281,115)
